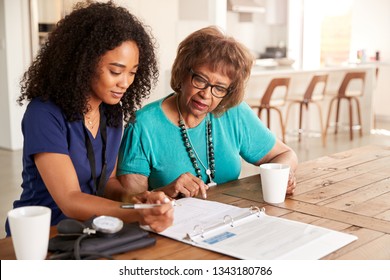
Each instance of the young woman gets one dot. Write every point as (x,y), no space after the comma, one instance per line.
(93,72)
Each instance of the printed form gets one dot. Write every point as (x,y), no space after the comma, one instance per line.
(250,233)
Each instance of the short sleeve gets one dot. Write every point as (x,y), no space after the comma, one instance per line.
(256,139)
(44,129)
(132,158)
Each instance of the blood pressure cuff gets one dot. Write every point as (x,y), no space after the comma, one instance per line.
(99,245)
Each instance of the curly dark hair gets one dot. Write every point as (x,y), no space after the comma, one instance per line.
(66,64)
(210,46)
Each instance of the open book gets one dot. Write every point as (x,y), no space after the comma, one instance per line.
(249,233)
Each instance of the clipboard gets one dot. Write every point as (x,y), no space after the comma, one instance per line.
(249,233)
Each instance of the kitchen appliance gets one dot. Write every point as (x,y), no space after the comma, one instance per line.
(274,52)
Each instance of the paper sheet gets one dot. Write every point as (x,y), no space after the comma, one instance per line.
(215,226)
(192,212)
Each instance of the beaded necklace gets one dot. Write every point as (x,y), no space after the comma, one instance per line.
(192,152)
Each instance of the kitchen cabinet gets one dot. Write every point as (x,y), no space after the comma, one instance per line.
(276,12)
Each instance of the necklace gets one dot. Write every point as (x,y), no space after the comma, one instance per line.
(91,121)
(192,152)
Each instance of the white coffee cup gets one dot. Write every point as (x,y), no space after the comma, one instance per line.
(274,180)
(30,230)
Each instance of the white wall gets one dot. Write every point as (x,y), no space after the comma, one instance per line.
(14,60)
(260,30)
(161,16)
(368,27)
(294,32)
(171,21)
(367,19)
(5,140)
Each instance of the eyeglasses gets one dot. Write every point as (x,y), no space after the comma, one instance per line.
(199,82)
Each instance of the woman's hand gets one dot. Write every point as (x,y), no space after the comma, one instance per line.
(157,218)
(281,153)
(188,185)
(292,183)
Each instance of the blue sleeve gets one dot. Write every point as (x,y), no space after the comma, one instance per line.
(44,129)
(132,158)
(256,139)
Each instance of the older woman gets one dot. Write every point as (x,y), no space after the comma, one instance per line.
(195,137)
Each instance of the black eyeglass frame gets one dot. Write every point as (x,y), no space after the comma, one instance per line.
(208,84)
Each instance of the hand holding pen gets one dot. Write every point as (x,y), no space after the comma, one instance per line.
(154,208)
(146,205)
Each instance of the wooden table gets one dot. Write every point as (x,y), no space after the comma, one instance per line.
(347,191)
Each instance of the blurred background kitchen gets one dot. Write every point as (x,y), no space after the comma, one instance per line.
(293,38)
(309,34)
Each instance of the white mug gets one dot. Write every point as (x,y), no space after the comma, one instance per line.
(274,180)
(30,230)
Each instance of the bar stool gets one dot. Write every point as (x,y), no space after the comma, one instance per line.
(273,98)
(314,93)
(349,95)
(376,84)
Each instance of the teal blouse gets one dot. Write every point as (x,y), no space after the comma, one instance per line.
(153,145)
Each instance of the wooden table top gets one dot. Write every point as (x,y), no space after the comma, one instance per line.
(347,191)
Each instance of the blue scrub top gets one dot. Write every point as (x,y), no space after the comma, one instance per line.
(46,130)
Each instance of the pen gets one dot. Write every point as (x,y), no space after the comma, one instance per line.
(140,206)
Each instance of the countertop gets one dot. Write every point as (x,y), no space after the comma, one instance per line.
(266,70)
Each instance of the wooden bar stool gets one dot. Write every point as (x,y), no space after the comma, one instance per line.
(273,98)
(376,82)
(350,95)
(314,93)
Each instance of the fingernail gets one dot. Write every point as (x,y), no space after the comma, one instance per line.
(166,200)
